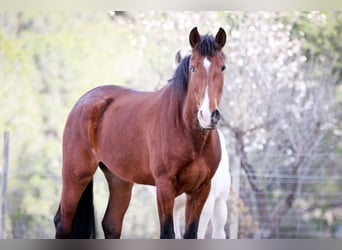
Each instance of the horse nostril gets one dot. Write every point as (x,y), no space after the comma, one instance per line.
(215,116)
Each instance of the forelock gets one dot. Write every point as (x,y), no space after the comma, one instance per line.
(207,46)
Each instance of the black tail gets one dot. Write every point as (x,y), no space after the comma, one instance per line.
(84,226)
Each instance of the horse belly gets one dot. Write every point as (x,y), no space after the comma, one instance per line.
(128,165)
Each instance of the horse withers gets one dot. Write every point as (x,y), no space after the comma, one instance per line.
(166,138)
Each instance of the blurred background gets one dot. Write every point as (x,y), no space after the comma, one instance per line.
(281,112)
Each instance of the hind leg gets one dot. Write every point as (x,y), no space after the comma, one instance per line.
(206,213)
(71,193)
(219,219)
(120,192)
(78,169)
(178,214)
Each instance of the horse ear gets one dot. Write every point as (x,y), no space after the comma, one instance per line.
(220,38)
(178,58)
(194,38)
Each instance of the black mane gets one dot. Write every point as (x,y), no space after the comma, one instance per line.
(207,47)
(181,77)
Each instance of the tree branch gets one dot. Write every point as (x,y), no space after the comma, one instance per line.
(259,192)
(286,203)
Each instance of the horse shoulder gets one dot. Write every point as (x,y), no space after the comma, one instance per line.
(213,151)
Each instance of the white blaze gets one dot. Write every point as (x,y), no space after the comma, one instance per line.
(206,64)
(204,113)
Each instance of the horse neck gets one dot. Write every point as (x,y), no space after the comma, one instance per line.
(181,108)
(171,105)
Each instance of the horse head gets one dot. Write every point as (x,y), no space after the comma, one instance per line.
(206,73)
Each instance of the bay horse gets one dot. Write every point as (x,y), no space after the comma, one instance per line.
(166,138)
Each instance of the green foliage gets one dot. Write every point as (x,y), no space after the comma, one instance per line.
(321,34)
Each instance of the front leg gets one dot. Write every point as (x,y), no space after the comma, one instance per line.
(165,200)
(194,205)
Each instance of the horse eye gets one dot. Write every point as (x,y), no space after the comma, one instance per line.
(192,68)
(223,68)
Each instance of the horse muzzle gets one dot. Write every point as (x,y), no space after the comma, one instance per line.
(215,117)
(209,121)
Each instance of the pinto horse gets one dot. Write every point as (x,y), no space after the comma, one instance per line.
(166,138)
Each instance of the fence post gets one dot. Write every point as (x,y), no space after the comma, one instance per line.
(3,234)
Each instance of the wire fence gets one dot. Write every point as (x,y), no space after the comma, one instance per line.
(317,208)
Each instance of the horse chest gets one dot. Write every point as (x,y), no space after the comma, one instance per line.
(192,177)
